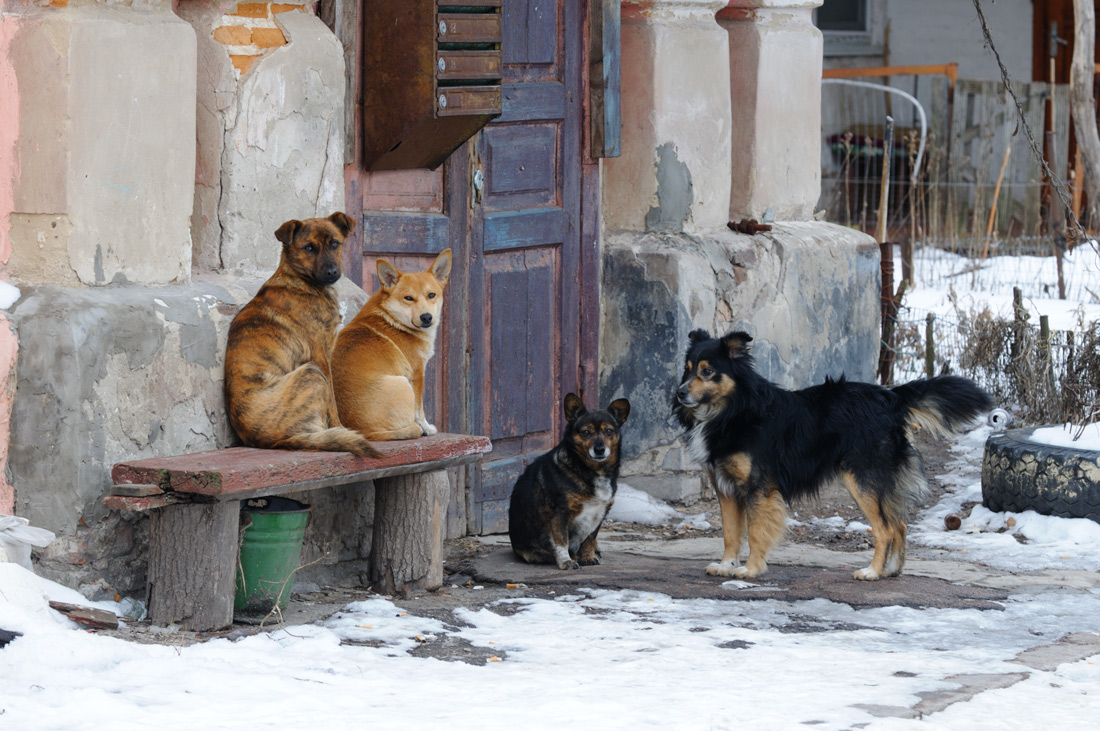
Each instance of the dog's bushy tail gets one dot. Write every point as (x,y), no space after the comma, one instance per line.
(334,439)
(944,404)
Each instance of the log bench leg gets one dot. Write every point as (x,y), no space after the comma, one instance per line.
(192,565)
(410,521)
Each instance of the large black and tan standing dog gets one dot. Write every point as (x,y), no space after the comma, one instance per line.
(278,386)
(561,499)
(763,446)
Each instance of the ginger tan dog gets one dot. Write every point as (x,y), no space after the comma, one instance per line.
(278,388)
(379,359)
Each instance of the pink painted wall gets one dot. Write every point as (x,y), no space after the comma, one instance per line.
(9,165)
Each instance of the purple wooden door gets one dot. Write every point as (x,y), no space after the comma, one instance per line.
(525,232)
(518,207)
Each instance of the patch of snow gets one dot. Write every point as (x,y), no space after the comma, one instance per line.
(9,295)
(635,506)
(1067,436)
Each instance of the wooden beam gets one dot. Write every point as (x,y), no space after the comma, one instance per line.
(950,70)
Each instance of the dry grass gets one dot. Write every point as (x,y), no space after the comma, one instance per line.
(1039,382)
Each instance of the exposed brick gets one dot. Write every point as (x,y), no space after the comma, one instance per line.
(277,8)
(252,10)
(233,35)
(268,37)
(59,3)
(243,63)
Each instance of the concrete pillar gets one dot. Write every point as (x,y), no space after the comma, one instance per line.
(775,82)
(99,144)
(673,174)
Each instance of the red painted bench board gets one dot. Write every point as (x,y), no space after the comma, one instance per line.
(245,471)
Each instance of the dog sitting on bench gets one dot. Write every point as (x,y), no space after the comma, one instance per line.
(278,381)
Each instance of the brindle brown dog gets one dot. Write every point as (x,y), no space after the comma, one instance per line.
(278,382)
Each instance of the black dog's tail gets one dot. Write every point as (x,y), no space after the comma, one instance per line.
(944,404)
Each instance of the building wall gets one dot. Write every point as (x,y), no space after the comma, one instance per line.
(905,32)
(946,31)
(116,119)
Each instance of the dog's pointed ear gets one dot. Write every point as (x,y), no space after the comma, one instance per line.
(698,336)
(574,407)
(343,222)
(387,274)
(441,267)
(285,233)
(737,344)
(620,409)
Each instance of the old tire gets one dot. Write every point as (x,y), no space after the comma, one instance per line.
(1019,475)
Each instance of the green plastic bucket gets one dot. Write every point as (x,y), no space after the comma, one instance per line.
(272,529)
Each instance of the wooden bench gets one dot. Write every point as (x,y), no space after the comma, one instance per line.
(194,504)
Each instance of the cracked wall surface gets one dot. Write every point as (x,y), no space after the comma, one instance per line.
(271,144)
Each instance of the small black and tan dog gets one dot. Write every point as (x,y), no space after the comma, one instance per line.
(763,446)
(561,499)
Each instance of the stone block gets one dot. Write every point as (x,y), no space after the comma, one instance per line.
(112,375)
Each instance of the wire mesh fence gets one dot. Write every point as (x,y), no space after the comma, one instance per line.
(961,175)
(1037,374)
(972,212)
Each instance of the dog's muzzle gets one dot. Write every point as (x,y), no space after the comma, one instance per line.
(426,320)
(684,397)
(599,452)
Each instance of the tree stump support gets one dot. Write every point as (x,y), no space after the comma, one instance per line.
(410,522)
(192,565)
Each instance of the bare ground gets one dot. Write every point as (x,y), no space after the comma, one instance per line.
(463,587)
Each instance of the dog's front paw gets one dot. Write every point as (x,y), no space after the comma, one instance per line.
(744,572)
(722,568)
(428,429)
(568,564)
(867,574)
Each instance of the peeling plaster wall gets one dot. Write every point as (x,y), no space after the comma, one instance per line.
(133,369)
(112,375)
(276,139)
(806,292)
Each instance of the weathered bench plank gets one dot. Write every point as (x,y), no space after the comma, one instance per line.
(243,472)
(193,547)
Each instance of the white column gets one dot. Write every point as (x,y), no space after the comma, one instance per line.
(673,174)
(775,84)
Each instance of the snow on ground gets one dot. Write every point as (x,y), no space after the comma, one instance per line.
(621,659)
(612,659)
(992,538)
(635,506)
(942,276)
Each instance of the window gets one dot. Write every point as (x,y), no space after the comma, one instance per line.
(843,15)
(850,27)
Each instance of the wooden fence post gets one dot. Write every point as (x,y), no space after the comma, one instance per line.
(929,346)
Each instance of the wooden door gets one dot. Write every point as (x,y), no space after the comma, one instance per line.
(518,206)
(525,232)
